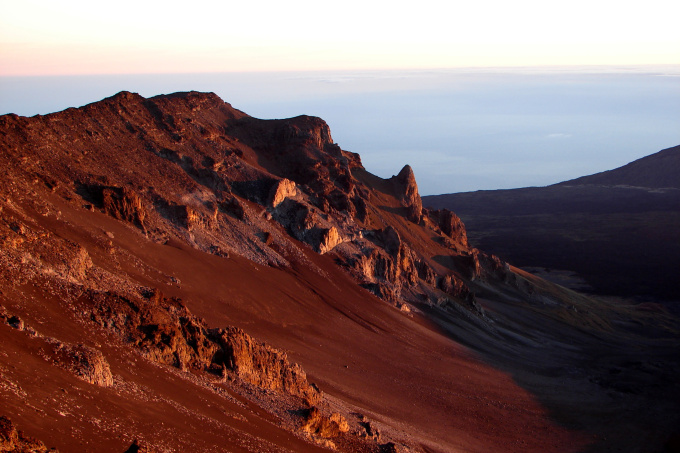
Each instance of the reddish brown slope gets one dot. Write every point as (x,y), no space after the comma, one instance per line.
(184,196)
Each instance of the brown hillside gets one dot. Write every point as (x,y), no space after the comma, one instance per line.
(180,276)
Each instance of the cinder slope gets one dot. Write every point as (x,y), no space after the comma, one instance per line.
(135,231)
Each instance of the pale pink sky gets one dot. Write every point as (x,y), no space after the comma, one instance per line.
(40,37)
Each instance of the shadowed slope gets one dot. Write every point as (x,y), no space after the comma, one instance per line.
(617,231)
(659,170)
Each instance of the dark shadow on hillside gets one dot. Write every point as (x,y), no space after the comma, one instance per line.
(618,385)
(623,241)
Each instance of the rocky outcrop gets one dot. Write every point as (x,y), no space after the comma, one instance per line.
(260,364)
(406,189)
(85,362)
(455,287)
(187,217)
(166,332)
(15,441)
(368,429)
(307,224)
(124,204)
(121,203)
(325,426)
(393,261)
(481,265)
(329,239)
(281,190)
(426,273)
(233,206)
(450,224)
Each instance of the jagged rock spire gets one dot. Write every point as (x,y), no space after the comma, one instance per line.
(406,189)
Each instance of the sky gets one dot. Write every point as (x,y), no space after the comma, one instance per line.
(39,37)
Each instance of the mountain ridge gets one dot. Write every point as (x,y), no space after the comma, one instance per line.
(658,171)
(250,286)
(616,228)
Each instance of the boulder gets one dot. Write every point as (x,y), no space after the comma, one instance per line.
(85,362)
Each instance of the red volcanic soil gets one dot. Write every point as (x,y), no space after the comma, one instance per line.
(135,231)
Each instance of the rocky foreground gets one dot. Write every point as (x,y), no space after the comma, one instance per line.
(180,276)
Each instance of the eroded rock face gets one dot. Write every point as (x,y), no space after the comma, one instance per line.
(426,273)
(260,364)
(485,265)
(455,287)
(166,332)
(121,203)
(124,204)
(233,206)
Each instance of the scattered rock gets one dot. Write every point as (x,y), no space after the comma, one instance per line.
(368,430)
(324,426)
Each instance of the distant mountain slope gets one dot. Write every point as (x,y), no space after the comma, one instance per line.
(618,230)
(658,170)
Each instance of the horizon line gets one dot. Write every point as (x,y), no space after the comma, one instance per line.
(633,67)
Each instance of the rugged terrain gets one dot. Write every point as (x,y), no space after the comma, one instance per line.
(180,276)
(613,233)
